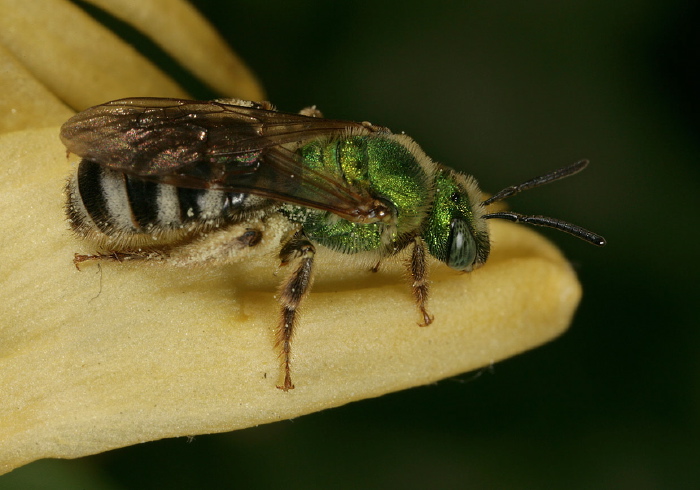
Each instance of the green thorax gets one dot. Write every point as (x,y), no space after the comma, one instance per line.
(379,165)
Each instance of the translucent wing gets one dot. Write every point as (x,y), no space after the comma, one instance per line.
(218,145)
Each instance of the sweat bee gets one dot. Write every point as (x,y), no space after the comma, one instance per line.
(157,175)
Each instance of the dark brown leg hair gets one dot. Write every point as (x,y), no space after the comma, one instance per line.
(291,295)
(418,270)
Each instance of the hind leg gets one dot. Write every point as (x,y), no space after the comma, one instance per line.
(291,295)
(116,256)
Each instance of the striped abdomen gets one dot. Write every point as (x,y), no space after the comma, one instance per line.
(120,206)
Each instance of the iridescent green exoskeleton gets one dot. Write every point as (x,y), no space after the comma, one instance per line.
(157,175)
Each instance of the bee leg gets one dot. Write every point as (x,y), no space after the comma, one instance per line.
(114,256)
(291,295)
(418,270)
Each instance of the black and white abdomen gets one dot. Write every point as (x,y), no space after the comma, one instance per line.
(121,210)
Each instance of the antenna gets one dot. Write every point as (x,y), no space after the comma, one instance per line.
(545,221)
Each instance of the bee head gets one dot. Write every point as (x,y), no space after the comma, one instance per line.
(455,232)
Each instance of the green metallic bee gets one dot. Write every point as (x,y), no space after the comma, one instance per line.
(159,174)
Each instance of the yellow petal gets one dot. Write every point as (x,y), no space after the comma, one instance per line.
(75,57)
(25,102)
(181,30)
(70,55)
(126,353)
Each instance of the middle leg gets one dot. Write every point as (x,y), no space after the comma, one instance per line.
(419,279)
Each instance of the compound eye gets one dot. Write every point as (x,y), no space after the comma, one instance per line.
(462,249)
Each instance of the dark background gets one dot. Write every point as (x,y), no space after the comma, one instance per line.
(504,91)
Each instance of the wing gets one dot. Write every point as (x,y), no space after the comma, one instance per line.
(218,145)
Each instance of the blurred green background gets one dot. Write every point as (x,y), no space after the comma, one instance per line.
(504,91)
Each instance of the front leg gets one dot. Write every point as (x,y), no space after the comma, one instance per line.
(418,270)
(291,294)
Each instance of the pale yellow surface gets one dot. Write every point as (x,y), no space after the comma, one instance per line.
(128,353)
(75,57)
(190,39)
(55,59)
(84,64)
(25,102)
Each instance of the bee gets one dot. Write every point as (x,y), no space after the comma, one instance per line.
(159,176)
